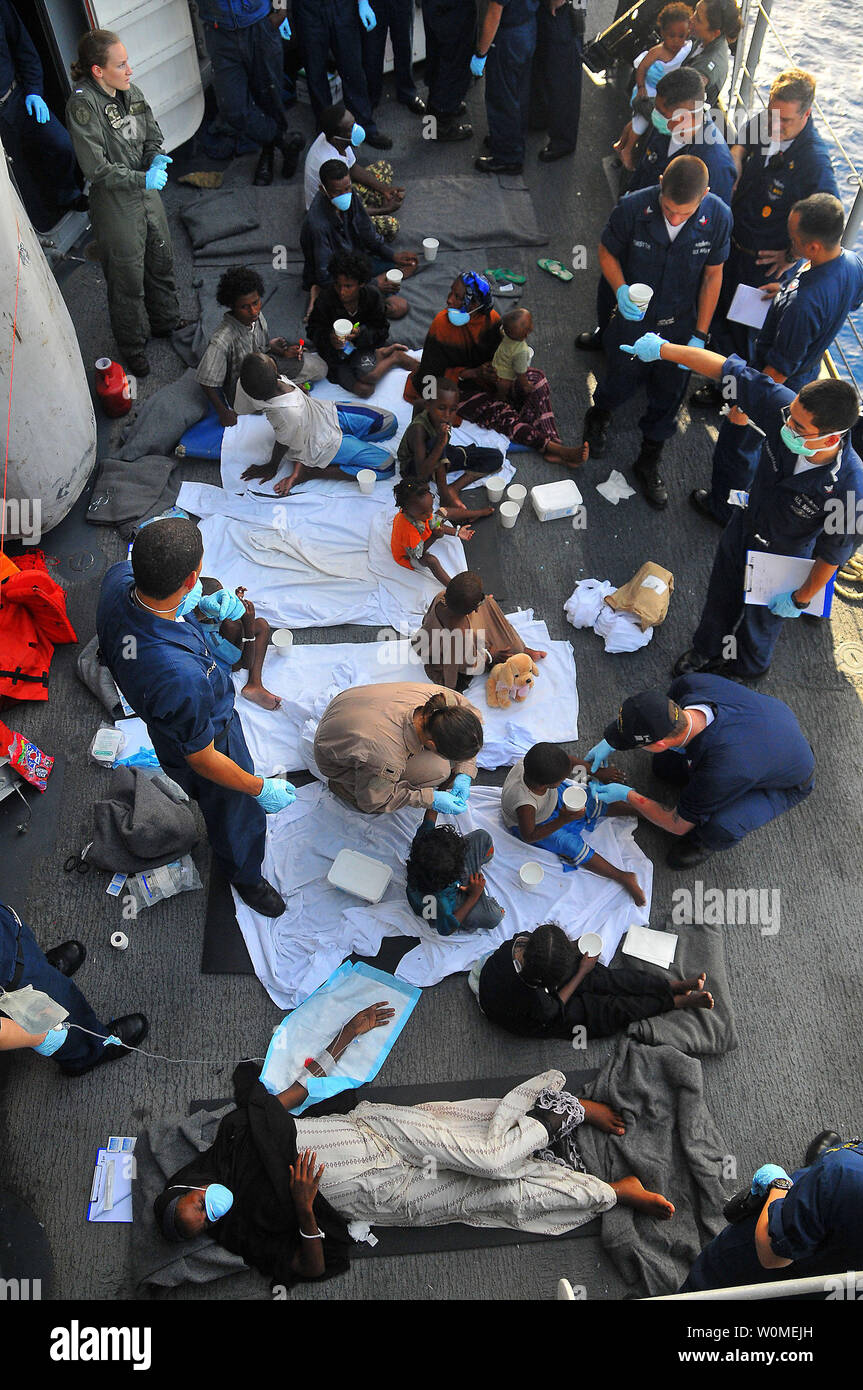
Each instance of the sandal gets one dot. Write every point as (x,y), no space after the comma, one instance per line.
(502,276)
(555,268)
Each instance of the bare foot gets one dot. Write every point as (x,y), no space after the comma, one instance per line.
(460,514)
(259,696)
(633,888)
(283,487)
(535,656)
(572,455)
(684,986)
(695,999)
(602,1117)
(631,1192)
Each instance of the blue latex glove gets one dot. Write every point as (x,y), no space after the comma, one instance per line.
(156,178)
(477,65)
(654,72)
(36,107)
(222,604)
(627,305)
(646,348)
(285,30)
(52,1042)
(598,755)
(764,1177)
(448,803)
(461,786)
(784,606)
(367,16)
(611,792)
(276,794)
(160,161)
(693,342)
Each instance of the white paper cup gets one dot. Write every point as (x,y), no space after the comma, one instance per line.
(575,798)
(430,247)
(508,513)
(282,640)
(395,276)
(495,488)
(590,943)
(531,875)
(366,478)
(343,327)
(517,494)
(120,941)
(641,295)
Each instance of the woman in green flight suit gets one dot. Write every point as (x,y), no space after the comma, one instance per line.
(119,148)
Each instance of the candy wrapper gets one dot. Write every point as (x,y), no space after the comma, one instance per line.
(27,760)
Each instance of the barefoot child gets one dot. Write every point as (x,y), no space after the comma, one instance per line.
(417,526)
(427,454)
(445,882)
(538,984)
(510,373)
(239,643)
(665,56)
(532,807)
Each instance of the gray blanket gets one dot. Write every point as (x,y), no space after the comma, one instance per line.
(699,1032)
(159,423)
(211,217)
(272,216)
(98,679)
(447,208)
(126,493)
(673,1146)
(138,827)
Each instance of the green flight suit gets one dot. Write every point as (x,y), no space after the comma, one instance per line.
(115,138)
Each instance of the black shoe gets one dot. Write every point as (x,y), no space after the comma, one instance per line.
(417,105)
(595,431)
(486,142)
(692,663)
(590,342)
(687,852)
(290,144)
(488,164)
(699,499)
(646,473)
(138,364)
(67,958)
(707,397)
(132,1029)
(378,140)
(447,134)
(551,152)
(263,175)
(743,1204)
(447,115)
(261,897)
(827,1139)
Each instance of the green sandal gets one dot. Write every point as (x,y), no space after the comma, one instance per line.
(502,276)
(555,268)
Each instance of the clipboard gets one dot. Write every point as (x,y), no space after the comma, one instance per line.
(767,575)
(111,1190)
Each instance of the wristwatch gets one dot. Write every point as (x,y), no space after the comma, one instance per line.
(784,1183)
(702,336)
(798,604)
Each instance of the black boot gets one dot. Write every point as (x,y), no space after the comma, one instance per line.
(290,142)
(264,168)
(595,430)
(132,1029)
(261,897)
(646,470)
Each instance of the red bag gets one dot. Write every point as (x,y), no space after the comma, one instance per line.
(33,622)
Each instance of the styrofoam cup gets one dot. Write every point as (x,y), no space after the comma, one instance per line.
(508,513)
(366,478)
(430,247)
(641,295)
(531,875)
(395,276)
(495,488)
(590,943)
(282,640)
(516,493)
(575,798)
(343,327)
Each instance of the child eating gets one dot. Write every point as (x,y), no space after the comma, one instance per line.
(425,452)
(238,642)
(417,526)
(533,809)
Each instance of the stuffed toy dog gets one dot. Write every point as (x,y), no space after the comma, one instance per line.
(510,680)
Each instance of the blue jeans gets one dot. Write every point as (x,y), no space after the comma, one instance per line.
(397,16)
(362,426)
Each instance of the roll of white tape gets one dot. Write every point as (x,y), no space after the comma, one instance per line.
(119,941)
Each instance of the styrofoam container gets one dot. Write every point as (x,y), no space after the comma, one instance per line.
(494,486)
(508,513)
(366,479)
(430,247)
(531,875)
(554,500)
(590,943)
(517,492)
(360,874)
(641,295)
(395,276)
(575,798)
(282,640)
(343,327)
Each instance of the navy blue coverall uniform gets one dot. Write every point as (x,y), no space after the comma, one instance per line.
(811,513)
(22,962)
(170,677)
(748,766)
(818,1225)
(802,322)
(507,80)
(43,160)
(450,30)
(397,16)
(556,81)
(637,236)
(326,26)
(762,201)
(246,51)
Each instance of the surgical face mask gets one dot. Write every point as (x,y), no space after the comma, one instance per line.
(342,201)
(358,134)
(660,122)
(797,445)
(458,317)
(191,600)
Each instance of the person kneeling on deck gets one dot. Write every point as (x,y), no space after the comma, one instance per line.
(322,439)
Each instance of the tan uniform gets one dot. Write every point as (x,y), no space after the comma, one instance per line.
(367,747)
(448,653)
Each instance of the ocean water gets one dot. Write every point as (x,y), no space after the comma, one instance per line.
(826,38)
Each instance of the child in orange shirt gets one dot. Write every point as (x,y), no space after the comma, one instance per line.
(417,526)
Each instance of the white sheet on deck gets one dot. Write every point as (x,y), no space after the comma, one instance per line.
(313,560)
(312,675)
(322,925)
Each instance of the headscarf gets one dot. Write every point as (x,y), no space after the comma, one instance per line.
(477,290)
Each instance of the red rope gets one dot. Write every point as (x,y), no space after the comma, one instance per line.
(11,373)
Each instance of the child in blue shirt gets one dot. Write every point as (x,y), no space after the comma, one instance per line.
(445,882)
(239,643)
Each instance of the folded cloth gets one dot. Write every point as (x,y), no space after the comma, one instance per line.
(647,595)
(218,216)
(138,826)
(615,488)
(621,632)
(123,494)
(164,417)
(584,604)
(93,673)
(698,1032)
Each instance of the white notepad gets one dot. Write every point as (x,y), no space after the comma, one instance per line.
(656,947)
(749,306)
